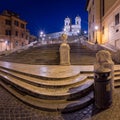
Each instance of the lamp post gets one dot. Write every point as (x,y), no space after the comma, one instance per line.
(96,28)
(42,36)
(85,32)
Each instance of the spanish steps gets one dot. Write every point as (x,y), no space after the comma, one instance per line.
(49,55)
(35,77)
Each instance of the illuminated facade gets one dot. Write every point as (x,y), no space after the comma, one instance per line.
(106,15)
(13,32)
(72,29)
(68,29)
(93,8)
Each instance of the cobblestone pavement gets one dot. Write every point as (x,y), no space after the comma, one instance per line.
(13,109)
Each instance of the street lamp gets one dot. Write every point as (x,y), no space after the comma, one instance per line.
(42,36)
(78,31)
(85,32)
(96,28)
(41,33)
(64,29)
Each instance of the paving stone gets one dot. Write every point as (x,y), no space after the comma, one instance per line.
(13,109)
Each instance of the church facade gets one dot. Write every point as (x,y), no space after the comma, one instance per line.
(72,29)
(69,28)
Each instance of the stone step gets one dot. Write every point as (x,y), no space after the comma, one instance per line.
(45,83)
(72,73)
(49,93)
(117,73)
(87,72)
(90,74)
(117,79)
(52,105)
(116,84)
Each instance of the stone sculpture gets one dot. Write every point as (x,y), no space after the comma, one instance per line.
(64,51)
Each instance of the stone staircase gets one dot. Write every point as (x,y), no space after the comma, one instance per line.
(110,47)
(49,55)
(65,94)
(116,76)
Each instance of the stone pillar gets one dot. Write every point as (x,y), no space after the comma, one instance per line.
(64,51)
(103,62)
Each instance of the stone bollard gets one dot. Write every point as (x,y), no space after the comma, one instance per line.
(64,51)
(104,61)
(103,88)
(103,79)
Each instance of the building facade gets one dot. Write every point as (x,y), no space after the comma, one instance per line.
(93,8)
(13,32)
(106,15)
(72,29)
(69,28)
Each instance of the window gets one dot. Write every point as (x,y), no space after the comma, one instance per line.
(103,29)
(16,33)
(89,36)
(93,2)
(8,42)
(27,37)
(16,23)
(93,18)
(16,43)
(7,22)
(22,25)
(22,35)
(77,22)
(89,11)
(8,32)
(89,25)
(22,44)
(102,8)
(117,19)
(117,30)
(93,34)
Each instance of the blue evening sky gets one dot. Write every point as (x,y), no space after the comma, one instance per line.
(47,15)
